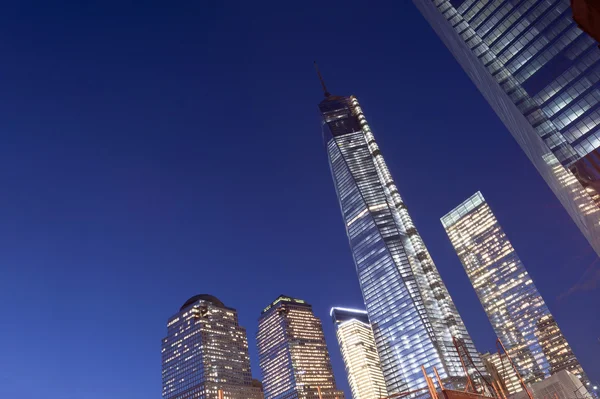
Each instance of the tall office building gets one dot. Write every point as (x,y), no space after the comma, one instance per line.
(205,351)
(541,74)
(513,304)
(361,360)
(411,312)
(293,355)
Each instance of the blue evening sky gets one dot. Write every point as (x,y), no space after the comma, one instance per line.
(156,150)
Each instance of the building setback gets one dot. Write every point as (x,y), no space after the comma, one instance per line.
(412,314)
(361,360)
(205,351)
(293,355)
(513,304)
(541,74)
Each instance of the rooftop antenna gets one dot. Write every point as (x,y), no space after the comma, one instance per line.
(327,94)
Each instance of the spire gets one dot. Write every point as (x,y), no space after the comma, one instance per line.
(327,94)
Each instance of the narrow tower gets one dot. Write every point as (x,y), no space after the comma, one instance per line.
(513,304)
(411,312)
(361,360)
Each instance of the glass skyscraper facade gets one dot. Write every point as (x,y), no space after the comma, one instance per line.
(541,74)
(206,351)
(513,304)
(411,313)
(293,355)
(359,352)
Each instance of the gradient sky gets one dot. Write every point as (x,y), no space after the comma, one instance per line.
(158,150)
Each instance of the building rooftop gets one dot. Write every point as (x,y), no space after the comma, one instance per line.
(204,297)
(286,298)
(465,207)
(341,315)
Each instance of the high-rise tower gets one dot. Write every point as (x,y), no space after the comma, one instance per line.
(513,304)
(359,352)
(205,351)
(541,74)
(293,354)
(411,312)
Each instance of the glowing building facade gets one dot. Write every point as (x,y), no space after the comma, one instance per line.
(206,351)
(541,74)
(513,304)
(361,360)
(411,312)
(293,354)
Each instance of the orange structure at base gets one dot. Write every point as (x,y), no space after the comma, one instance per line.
(451,394)
(587,15)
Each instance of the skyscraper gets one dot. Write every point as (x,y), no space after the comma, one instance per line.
(205,351)
(541,74)
(361,360)
(293,354)
(411,312)
(513,304)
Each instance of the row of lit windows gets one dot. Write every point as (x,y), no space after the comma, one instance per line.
(379,263)
(286,366)
(514,306)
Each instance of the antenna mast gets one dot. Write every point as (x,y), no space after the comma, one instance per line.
(327,94)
